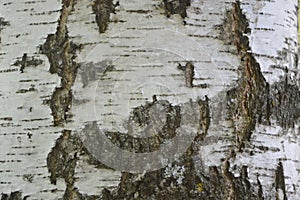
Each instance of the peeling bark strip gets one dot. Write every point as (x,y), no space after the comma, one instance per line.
(102,9)
(61,53)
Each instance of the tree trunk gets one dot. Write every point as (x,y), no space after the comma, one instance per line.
(152,99)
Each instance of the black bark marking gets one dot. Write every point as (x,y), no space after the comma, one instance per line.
(279,181)
(176,7)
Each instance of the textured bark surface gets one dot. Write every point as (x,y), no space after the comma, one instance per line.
(225,71)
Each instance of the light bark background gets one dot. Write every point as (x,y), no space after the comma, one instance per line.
(121,67)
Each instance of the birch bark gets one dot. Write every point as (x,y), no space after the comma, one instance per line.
(142,73)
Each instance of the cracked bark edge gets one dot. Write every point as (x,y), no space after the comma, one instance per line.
(157,131)
(219,183)
(140,117)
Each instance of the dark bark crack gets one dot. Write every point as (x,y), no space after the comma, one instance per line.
(252,92)
(61,53)
(102,9)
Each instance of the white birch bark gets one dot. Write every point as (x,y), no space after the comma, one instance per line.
(144,47)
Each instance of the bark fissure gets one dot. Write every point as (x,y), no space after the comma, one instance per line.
(103,9)
(61,52)
(252,91)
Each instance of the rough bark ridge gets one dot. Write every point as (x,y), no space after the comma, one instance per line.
(252,93)
(256,101)
(61,53)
